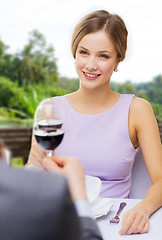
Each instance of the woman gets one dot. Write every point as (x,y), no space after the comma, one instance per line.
(103,128)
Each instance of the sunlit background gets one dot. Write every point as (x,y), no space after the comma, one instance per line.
(55,19)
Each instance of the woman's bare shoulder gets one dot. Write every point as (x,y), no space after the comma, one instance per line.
(140,105)
(142,113)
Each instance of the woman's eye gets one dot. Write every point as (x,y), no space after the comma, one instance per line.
(104,56)
(83,52)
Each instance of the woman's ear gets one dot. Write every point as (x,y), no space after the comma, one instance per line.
(116,65)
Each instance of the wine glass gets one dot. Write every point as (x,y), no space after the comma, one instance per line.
(47,127)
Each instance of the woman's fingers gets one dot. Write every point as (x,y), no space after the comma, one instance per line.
(126,223)
(134,222)
(138,225)
(51,165)
(36,155)
(146,227)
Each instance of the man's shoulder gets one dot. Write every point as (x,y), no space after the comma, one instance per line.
(33,181)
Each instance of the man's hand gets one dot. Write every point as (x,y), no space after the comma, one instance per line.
(71,168)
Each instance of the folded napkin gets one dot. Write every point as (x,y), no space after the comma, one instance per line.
(93,187)
(100,206)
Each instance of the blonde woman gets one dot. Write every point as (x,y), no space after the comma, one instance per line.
(104,129)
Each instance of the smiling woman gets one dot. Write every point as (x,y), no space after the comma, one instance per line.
(103,128)
(96,59)
(112,24)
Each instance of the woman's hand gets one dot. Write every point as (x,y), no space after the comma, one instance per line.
(37,154)
(136,220)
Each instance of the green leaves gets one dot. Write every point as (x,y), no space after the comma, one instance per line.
(35,63)
(30,101)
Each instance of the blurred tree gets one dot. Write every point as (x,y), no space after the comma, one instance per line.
(8,91)
(34,64)
(5,59)
(114,86)
(155,90)
(157,108)
(142,94)
(126,87)
(37,61)
(30,101)
(68,84)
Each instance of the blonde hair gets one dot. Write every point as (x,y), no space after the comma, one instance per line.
(113,25)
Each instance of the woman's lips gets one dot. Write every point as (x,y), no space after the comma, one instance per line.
(91,76)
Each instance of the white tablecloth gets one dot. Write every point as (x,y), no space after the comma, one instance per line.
(110,231)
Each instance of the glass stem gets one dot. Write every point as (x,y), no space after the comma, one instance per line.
(49,153)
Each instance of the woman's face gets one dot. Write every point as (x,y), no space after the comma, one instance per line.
(96,59)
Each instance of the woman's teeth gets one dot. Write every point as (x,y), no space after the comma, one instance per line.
(92,75)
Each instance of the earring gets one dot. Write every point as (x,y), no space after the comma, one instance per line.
(115,70)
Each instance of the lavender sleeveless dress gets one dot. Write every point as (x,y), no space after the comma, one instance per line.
(101,142)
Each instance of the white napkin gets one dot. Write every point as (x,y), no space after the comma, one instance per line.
(100,206)
(93,187)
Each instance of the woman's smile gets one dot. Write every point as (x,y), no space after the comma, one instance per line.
(96,59)
(91,76)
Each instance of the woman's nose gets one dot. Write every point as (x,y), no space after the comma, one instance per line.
(91,64)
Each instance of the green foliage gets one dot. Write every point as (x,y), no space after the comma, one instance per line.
(57,92)
(30,101)
(20,103)
(5,59)
(35,63)
(17,162)
(157,108)
(155,90)
(15,102)
(152,91)
(126,87)
(3,113)
(9,93)
(70,84)
(123,88)
(142,94)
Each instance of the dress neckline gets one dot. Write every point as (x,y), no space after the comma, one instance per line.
(92,115)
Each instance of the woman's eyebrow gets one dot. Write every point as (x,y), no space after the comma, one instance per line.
(105,51)
(102,51)
(83,48)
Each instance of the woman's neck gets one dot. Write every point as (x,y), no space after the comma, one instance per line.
(92,101)
(94,97)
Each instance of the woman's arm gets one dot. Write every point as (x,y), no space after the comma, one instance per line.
(147,133)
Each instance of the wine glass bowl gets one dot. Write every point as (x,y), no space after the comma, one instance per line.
(47,128)
(50,123)
(48,139)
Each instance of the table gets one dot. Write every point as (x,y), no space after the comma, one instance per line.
(110,231)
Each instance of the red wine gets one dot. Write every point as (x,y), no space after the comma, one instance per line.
(48,139)
(50,123)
